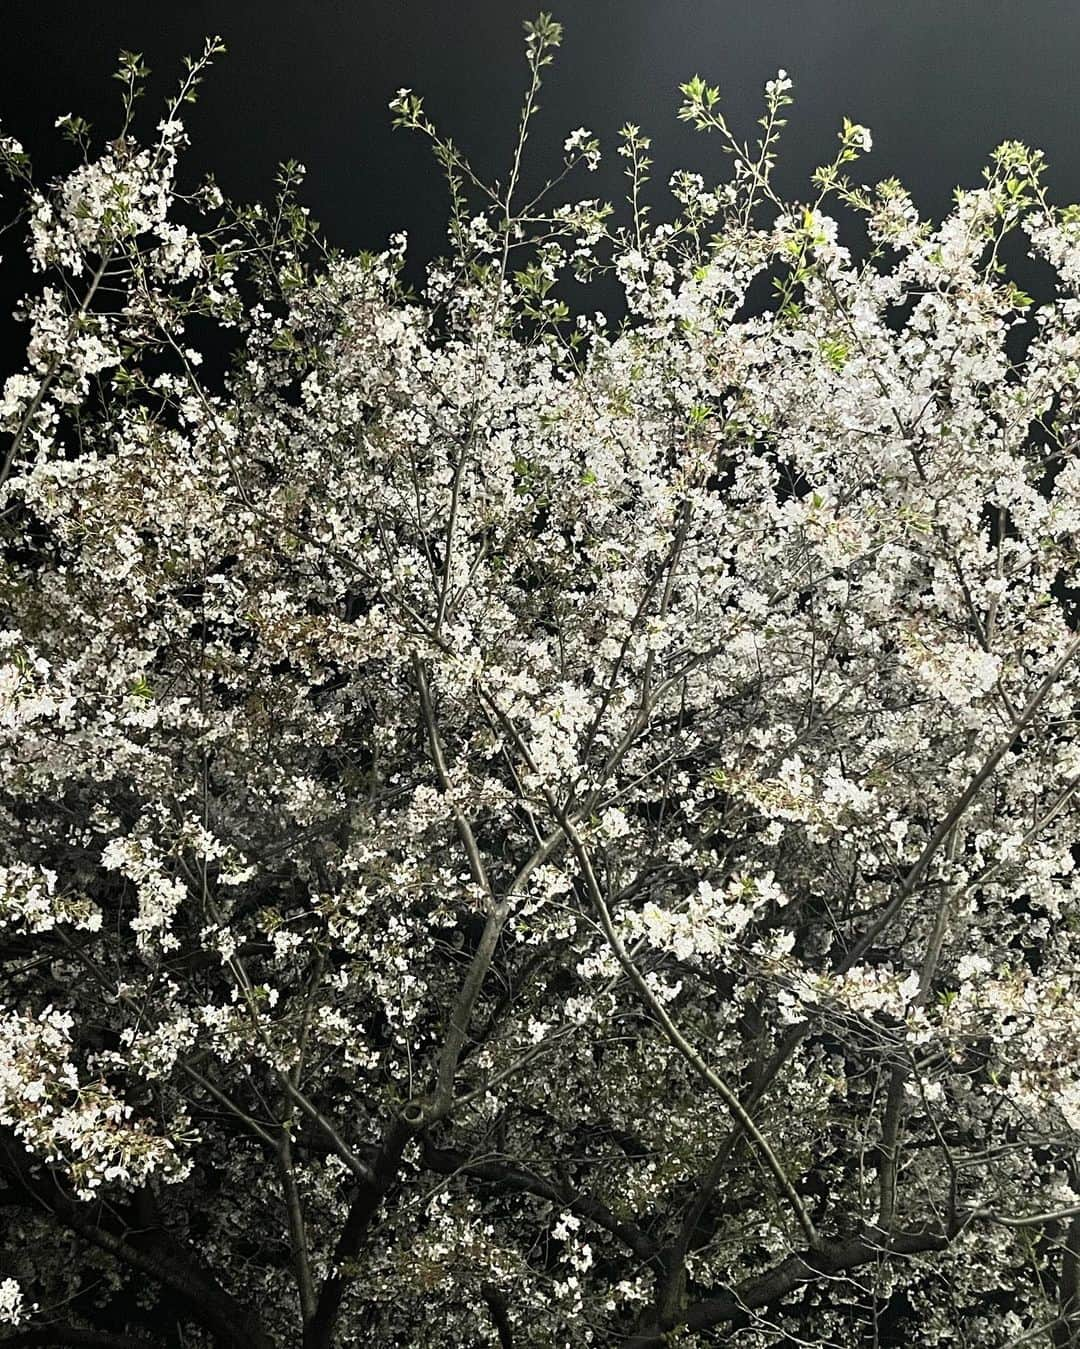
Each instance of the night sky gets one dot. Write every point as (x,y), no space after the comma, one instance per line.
(939,82)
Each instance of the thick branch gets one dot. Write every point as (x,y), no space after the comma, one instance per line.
(319,1332)
(674,1035)
(497,911)
(807,1267)
(158,1254)
(497,1306)
(675,1254)
(297,1231)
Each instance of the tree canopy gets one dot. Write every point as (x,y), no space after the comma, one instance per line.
(527,828)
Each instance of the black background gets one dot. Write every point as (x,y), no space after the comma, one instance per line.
(939,82)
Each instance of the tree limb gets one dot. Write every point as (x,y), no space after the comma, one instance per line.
(806,1267)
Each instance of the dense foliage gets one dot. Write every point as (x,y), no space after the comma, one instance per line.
(522,829)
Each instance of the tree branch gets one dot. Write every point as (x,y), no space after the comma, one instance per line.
(956,812)
(159,1254)
(319,1332)
(806,1267)
(497,1306)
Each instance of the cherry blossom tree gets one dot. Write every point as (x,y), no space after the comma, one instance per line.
(528,829)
